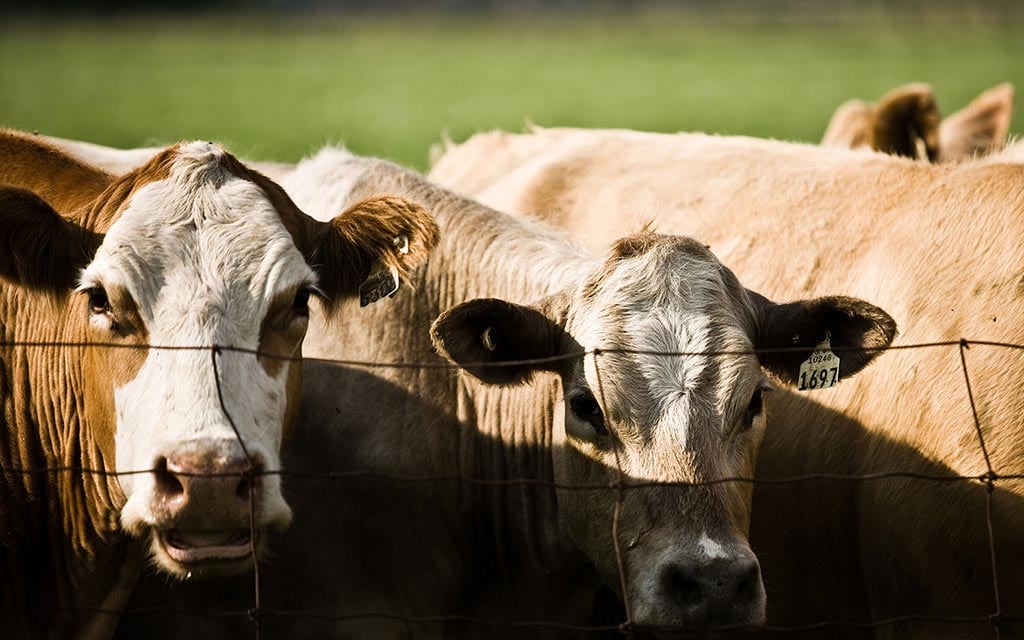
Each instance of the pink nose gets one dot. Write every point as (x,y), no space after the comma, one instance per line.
(205,489)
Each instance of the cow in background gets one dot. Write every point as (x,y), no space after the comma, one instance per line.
(906,122)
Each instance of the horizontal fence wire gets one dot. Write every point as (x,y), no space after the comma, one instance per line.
(618,487)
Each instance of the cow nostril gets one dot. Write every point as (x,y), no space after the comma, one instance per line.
(686,590)
(166,482)
(749,585)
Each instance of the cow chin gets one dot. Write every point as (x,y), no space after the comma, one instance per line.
(209,532)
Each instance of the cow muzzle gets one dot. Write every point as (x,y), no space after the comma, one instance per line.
(698,594)
(209,509)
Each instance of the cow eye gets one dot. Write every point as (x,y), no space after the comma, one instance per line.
(754,409)
(98,302)
(585,407)
(301,303)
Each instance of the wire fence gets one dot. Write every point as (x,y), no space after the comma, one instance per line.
(617,488)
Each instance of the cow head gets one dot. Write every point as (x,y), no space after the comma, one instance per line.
(195,250)
(664,419)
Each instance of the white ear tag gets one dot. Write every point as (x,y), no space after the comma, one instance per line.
(382,282)
(821,369)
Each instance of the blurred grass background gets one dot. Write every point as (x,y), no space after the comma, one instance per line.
(278,86)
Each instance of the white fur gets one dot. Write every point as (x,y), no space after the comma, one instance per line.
(711,549)
(202,253)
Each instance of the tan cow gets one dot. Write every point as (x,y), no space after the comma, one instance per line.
(481,544)
(190,250)
(906,122)
(939,246)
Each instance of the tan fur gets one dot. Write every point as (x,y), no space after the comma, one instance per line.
(937,245)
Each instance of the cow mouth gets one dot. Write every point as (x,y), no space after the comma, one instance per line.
(191,547)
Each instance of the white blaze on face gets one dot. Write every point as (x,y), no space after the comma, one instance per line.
(657,304)
(203,254)
(711,549)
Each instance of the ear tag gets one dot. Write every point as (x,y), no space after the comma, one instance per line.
(381,283)
(821,369)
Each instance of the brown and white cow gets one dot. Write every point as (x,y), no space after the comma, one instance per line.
(478,544)
(190,250)
(939,246)
(906,122)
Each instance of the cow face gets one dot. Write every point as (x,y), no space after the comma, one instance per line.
(693,419)
(198,252)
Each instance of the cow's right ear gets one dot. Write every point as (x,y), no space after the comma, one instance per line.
(978,128)
(905,117)
(491,339)
(371,248)
(857,332)
(39,249)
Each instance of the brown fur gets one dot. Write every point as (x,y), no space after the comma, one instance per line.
(938,246)
(347,248)
(906,122)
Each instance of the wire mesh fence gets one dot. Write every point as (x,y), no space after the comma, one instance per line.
(257,613)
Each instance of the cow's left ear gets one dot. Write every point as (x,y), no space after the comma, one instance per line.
(491,338)
(372,247)
(857,332)
(39,249)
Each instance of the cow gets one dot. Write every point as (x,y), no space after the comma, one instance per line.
(502,528)
(906,122)
(115,454)
(937,246)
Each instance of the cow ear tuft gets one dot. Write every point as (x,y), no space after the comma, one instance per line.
(906,123)
(375,240)
(856,330)
(39,249)
(490,339)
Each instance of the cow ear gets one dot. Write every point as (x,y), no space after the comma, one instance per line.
(980,127)
(371,248)
(856,330)
(39,249)
(850,126)
(492,338)
(905,120)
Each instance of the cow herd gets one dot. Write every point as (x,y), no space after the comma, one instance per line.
(545,390)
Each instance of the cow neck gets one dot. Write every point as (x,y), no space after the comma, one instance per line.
(506,432)
(44,408)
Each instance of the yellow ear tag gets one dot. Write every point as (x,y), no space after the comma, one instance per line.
(821,369)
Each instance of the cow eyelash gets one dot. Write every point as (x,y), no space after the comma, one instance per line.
(585,407)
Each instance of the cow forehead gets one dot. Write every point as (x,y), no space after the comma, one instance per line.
(200,238)
(670,300)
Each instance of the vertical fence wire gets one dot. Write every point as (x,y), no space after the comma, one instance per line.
(250,476)
(989,479)
(627,626)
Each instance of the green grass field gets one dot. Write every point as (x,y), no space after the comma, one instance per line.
(277,89)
